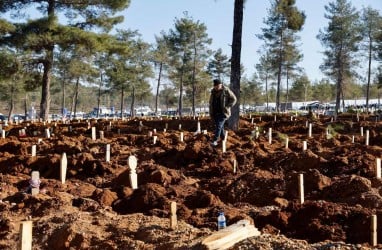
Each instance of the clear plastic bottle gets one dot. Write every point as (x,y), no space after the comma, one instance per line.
(221,221)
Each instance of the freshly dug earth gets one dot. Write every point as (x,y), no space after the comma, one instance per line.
(96,208)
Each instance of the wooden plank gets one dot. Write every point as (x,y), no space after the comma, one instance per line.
(231,235)
(25,235)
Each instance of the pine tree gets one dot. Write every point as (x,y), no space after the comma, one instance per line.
(219,66)
(43,35)
(341,39)
(283,20)
(188,43)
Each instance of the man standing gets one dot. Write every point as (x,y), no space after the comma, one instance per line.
(221,101)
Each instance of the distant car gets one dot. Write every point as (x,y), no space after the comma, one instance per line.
(329,112)
(3,117)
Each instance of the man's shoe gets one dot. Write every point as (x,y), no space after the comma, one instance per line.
(214,143)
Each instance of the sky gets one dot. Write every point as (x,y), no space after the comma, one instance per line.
(150,17)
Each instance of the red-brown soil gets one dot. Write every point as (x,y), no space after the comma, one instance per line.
(97,209)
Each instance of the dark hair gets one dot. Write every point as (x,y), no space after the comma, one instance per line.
(217,82)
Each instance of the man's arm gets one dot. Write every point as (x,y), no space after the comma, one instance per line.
(231,98)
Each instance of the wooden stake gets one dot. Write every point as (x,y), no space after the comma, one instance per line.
(94,133)
(373,228)
(33,153)
(26,235)
(35,182)
(132,162)
(378,168)
(310,130)
(304,145)
(270,135)
(47,133)
(173,217)
(63,168)
(224,147)
(234,166)
(286,142)
(301,187)
(107,152)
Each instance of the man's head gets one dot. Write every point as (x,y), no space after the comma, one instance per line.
(218,84)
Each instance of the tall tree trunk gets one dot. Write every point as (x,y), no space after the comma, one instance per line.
(266,90)
(63,96)
(48,65)
(11,104)
(180,104)
(193,79)
(45,93)
(233,122)
(368,75)
(75,99)
(132,107)
(287,89)
(99,95)
(158,85)
(122,102)
(26,106)
(279,71)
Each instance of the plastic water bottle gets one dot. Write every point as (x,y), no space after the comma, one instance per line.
(221,221)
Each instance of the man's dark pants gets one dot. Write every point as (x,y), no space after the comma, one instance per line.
(219,126)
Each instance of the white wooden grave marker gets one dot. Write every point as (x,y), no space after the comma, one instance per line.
(373,228)
(155,139)
(47,133)
(367,138)
(132,162)
(378,168)
(310,130)
(352,139)
(304,145)
(173,217)
(94,133)
(25,235)
(180,126)
(301,187)
(34,183)
(107,152)
(181,136)
(225,135)
(361,128)
(3,134)
(33,153)
(101,135)
(198,130)
(270,135)
(234,166)
(224,146)
(286,142)
(63,168)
